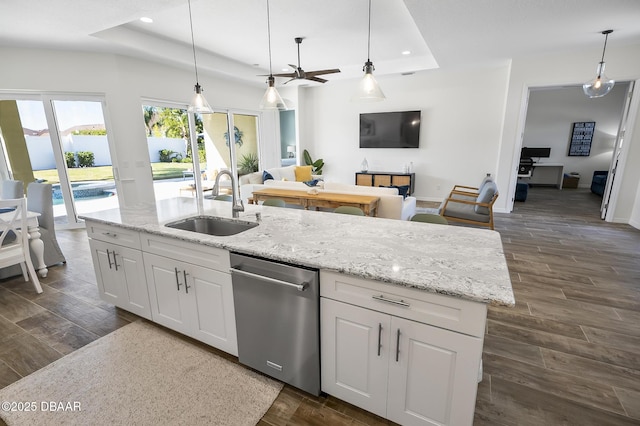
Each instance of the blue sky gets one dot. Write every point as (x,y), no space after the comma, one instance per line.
(68,114)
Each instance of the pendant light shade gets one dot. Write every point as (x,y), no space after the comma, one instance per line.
(198,103)
(601,84)
(271,99)
(368,88)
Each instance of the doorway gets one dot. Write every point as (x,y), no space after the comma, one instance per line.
(551,115)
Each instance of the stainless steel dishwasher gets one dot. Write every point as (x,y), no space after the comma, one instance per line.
(278,319)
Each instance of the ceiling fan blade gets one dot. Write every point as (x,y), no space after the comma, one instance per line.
(288,74)
(318,79)
(321,72)
(294,78)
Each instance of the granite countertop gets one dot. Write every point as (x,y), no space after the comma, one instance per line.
(456,261)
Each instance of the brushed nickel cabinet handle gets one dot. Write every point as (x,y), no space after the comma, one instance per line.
(109,258)
(177,278)
(398,346)
(393,301)
(115,261)
(186,285)
(379,337)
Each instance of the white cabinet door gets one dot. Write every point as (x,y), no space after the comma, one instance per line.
(193,300)
(121,277)
(109,286)
(166,289)
(432,375)
(355,354)
(214,320)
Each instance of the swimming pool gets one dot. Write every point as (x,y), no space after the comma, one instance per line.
(85,191)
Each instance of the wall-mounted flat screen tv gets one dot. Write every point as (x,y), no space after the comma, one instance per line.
(390,129)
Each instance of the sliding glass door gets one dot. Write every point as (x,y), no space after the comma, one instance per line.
(64,142)
(174,164)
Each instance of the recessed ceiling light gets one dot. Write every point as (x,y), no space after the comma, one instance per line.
(406,52)
(285,69)
(146,20)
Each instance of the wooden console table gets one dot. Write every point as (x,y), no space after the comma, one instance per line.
(368,203)
(386,179)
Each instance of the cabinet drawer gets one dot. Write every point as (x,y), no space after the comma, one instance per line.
(446,312)
(197,254)
(113,234)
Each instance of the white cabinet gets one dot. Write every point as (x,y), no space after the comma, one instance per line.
(181,285)
(191,299)
(406,370)
(119,268)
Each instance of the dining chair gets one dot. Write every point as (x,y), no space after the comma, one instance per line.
(429,218)
(12,189)
(40,200)
(274,202)
(349,210)
(14,240)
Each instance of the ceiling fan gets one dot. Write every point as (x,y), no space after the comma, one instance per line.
(300,74)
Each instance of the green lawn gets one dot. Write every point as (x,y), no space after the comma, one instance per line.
(160,171)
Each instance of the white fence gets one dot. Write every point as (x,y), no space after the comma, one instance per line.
(41,152)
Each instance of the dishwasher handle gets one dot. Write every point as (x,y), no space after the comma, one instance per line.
(299,287)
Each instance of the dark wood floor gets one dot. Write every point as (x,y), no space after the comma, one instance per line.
(568,353)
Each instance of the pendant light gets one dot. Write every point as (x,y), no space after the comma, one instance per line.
(198,103)
(271,98)
(601,85)
(368,88)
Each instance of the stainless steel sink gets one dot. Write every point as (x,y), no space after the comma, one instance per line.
(212,225)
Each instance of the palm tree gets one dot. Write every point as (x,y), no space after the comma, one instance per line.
(151,118)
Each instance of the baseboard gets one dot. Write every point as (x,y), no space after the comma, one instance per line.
(635,223)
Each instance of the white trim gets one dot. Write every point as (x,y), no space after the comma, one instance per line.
(624,153)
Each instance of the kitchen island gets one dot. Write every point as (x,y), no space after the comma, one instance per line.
(403,304)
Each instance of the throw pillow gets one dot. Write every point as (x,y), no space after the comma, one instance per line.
(266,176)
(312,182)
(303,173)
(485,195)
(255,178)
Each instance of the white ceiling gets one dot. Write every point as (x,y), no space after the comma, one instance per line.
(231,35)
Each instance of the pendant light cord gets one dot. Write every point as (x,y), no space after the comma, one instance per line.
(369,36)
(604,49)
(193,43)
(606,36)
(269,38)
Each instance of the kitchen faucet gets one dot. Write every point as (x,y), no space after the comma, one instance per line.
(236,201)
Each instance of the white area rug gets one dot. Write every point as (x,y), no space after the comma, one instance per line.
(140,375)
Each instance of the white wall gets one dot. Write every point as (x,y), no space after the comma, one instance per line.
(459,136)
(551,114)
(125,82)
(570,68)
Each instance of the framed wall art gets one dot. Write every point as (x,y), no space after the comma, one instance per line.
(581,138)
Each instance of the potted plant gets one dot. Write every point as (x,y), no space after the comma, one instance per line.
(316,165)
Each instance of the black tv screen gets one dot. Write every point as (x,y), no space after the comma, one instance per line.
(390,129)
(535,152)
